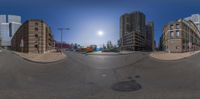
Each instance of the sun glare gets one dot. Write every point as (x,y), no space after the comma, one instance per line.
(100,33)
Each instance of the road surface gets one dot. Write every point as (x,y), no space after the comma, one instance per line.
(92,77)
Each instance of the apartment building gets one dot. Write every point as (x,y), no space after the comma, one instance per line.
(134,33)
(150,42)
(180,36)
(34,36)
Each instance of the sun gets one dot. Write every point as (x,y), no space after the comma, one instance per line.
(100,33)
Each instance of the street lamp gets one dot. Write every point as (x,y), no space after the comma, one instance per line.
(61,31)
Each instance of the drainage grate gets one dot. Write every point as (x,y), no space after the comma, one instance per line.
(127,86)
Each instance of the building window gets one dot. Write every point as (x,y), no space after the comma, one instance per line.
(171,34)
(177,33)
(127,19)
(36,46)
(36,35)
(36,29)
(36,23)
(171,27)
(177,26)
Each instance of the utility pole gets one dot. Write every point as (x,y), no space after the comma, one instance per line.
(61,31)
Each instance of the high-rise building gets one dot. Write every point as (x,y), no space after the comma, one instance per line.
(34,36)
(8,26)
(2,18)
(160,45)
(134,32)
(195,18)
(150,36)
(13,18)
(109,45)
(180,36)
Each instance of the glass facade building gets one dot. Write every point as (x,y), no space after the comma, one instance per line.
(9,24)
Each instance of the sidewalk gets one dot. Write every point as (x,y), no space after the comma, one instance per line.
(43,58)
(172,56)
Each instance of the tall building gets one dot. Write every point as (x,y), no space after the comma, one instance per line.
(180,36)
(109,45)
(160,45)
(150,45)
(195,18)
(133,32)
(9,24)
(34,36)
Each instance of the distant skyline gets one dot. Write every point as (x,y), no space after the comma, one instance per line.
(87,17)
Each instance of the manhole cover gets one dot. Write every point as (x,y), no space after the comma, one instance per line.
(127,86)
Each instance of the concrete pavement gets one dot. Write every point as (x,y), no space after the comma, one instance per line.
(49,57)
(77,78)
(172,56)
(108,61)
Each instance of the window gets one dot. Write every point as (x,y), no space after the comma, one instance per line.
(36,23)
(177,33)
(177,26)
(36,29)
(36,35)
(127,19)
(36,46)
(177,47)
(171,27)
(171,34)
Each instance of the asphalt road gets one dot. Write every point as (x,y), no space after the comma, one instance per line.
(92,77)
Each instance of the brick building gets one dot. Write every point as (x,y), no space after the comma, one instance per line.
(180,36)
(34,36)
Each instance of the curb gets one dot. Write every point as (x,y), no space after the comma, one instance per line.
(39,61)
(43,62)
(173,60)
(159,60)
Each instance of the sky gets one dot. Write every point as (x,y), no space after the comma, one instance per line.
(86,17)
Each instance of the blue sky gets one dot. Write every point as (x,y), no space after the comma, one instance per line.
(87,17)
